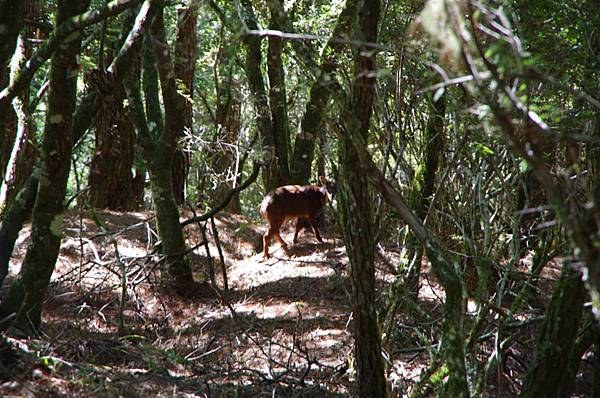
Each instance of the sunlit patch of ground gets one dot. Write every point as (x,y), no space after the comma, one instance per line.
(283,329)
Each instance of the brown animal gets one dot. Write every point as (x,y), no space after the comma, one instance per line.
(294,201)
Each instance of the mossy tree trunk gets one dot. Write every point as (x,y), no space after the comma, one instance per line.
(18,165)
(321,91)
(555,347)
(356,214)
(278,100)
(184,68)
(424,182)
(453,336)
(12,13)
(158,143)
(13,219)
(27,292)
(260,99)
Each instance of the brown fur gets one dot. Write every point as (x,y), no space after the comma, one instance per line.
(288,202)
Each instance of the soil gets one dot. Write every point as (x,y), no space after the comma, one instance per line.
(282,328)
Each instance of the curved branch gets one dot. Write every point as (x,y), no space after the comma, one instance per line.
(225,201)
(60,35)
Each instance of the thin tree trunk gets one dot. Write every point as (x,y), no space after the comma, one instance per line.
(185,65)
(23,155)
(26,295)
(278,100)
(312,129)
(259,96)
(357,218)
(424,182)
(158,145)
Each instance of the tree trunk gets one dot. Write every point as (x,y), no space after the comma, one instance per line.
(26,295)
(320,93)
(278,100)
(8,128)
(12,13)
(158,146)
(174,104)
(185,65)
(14,218)
(228,114)
(357,219)
(424,183)
(22,158)
(110,180)
(453,339)
(259,97)
(555,345)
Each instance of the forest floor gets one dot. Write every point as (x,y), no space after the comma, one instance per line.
(282,330)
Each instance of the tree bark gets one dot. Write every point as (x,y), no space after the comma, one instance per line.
(320,93)
(185,65)
(424,182)
(26,295)
(158,145)
(555,346)
(160,164)
(278,100)
(259,97)
(110,180)
(357,218)
(12,13)
(23,156)
(13,221)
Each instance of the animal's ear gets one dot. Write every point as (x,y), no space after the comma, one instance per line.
(330,186)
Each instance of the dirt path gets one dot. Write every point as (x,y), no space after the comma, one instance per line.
(283,328)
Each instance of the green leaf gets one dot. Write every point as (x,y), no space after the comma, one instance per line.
(523,166)
(484,150)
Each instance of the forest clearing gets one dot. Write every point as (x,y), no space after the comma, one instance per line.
(300,198)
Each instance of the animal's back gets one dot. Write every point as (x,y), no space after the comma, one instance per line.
(292,201)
